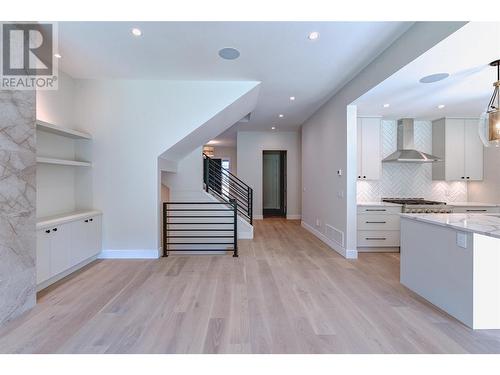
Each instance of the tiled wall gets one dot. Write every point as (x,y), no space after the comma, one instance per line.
(17,203)
(409,180)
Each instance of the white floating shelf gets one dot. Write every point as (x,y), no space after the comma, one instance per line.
(75,163)
(70,133)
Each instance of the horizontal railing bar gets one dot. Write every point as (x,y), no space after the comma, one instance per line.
(204,216)
(199,209)
(200,236)
(237,197)
(200,243)
(200,230)
(208,222)
(195,203)
(228,249)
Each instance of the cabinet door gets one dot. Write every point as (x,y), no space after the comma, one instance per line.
(42,256)
(359,126)
(94,236)
(371,159)
(60,249)
(455,150)
(473,151)
(79,242)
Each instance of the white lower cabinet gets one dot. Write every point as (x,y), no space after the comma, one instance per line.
(62,247)
(378,228)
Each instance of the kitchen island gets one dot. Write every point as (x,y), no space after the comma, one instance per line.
(453,261)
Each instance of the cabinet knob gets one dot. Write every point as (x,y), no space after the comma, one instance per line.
(359,176)
(54,230)
(47,231)
(87,220)
(462,177)
(364,176)
(91,219)
(468,177)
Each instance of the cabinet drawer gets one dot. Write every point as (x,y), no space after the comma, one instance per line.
(473,209)
(378,222)
(379,210)
(368,238)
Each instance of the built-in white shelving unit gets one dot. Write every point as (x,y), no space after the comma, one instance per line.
(68,227)
(75,163)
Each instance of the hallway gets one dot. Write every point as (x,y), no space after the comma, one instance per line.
(286,293)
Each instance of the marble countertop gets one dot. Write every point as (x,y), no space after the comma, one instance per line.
(378,204)
(48,221)
(486,224)
(473,204)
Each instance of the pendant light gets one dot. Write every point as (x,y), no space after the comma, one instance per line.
(493,109)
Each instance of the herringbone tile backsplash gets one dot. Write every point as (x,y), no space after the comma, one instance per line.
(409,180)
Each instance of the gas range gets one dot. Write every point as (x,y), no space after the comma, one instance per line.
(419,205)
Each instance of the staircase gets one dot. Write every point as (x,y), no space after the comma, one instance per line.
(226,187)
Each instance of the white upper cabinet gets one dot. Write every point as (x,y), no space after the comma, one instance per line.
(457,142)
(369,158)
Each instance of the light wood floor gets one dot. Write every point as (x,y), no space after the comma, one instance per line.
(287,293)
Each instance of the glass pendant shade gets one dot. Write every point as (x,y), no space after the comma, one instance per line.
(494,125)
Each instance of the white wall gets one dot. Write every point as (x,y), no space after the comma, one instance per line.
(488,190)
(133,122)
(188,180)
(249,150)
(329,144)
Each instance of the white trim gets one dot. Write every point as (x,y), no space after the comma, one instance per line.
(258,217)
(293,217)
(349,254)
(130,254)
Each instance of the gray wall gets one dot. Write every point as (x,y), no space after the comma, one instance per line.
(17,203)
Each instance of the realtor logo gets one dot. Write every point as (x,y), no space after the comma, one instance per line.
(28,61)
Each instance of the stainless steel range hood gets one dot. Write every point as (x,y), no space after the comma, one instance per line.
(406,152)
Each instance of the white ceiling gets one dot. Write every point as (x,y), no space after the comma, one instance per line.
(465,55)
(278,54)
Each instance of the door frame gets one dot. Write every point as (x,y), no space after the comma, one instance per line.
(281,212)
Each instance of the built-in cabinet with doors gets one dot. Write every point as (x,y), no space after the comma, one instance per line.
(369,156)
(68,228)
(457,142)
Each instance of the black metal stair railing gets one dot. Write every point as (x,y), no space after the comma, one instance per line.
(226,186)
(200,227)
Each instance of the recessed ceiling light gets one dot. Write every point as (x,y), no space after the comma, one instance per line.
(387,105)
(229,53)
(273,127)
(281,115)
(434,78)
(441,106)
(57,56)
(313,35)
(292,98)
(136,31)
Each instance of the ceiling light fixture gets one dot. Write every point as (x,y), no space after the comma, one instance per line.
(136,31)
(281,115)
(313,35)
(441,106)
(57,56)
(273,127)
(229,53)
(292,98)
(434,78)
(387,105)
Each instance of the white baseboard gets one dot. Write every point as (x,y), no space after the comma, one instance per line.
(349,254)
(130,254)
(293,217)
(258,217)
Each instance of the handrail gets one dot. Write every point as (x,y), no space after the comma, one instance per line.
(201,235)
(225,186)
